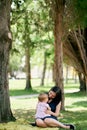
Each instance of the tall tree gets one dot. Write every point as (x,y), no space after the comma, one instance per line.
(27,43)
(23,16)
(44,69)
(57,9)
(5,46)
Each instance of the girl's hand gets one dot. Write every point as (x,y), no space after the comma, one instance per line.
(48,112)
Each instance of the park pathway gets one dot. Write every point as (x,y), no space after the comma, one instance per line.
(36,95)
(24,96)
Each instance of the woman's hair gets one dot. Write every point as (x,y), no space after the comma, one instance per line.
(58,93)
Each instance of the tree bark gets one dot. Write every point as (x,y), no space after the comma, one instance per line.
(67,68)
(44,69)
(27,52)
(5,46)
(28,73)
(54,72)
(82,82)
(58,45)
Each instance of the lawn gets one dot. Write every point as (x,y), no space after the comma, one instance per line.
(17,87)
(23,108)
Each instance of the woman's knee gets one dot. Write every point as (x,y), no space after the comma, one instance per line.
(47,120)
(50,122)
(40,123)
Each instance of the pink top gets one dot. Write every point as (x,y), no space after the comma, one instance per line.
(40,111)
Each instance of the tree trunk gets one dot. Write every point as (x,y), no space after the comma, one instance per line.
(28,73)
(58,34)
(82,82)
(54,72)
(44,69)
(67,74)
(5,46)
(27,52)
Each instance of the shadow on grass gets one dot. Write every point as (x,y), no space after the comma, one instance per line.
(71,85)
(34,90)
(22,92)
(81,103)
(78,118)
(76,94)
(27,115)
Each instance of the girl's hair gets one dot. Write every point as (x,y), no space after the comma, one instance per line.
(42,97)
(57,90)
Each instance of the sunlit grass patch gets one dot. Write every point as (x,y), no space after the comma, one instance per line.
(24,103)
(17,87)
(20,125)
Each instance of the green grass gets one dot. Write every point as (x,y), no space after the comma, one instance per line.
(24,108)
(17,87)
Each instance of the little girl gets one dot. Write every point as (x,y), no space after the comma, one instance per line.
(42,106)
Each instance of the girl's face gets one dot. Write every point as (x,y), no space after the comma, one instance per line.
(46,98)
(52,94)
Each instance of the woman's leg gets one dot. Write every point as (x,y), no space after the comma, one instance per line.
(40,123)
(54,123)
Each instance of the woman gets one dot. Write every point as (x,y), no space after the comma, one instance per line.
(55,103)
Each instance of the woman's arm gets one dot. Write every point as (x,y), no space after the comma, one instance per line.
(56,113)
(58,107)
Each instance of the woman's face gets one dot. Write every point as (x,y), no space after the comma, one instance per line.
(52,94)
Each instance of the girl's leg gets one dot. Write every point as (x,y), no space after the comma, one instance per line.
(40,123)
(54,123)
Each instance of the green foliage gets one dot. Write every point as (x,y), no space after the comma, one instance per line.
(31,27)
(75,14)
(81,9)
(15,62)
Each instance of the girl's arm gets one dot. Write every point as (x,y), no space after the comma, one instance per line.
(48,108)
